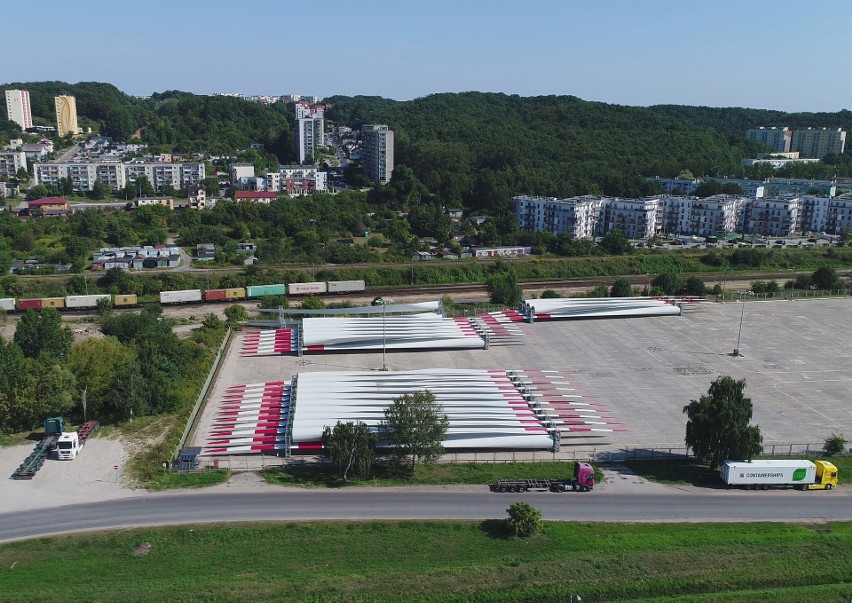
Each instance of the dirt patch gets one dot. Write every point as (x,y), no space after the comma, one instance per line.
(142,550)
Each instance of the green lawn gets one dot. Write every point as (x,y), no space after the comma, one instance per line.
(437,561)
(436,474)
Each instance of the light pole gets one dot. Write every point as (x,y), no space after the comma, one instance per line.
(384,302)
(740,332)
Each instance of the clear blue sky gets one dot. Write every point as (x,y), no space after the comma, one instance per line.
(782,54)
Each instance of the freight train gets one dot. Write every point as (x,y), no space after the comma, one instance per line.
(186,296)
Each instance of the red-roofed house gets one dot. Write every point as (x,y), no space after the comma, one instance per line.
(47,203)
(255,196)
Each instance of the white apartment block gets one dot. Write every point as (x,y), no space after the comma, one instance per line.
(296,180)
(839,215)
(311,135)
(576,216)
(779,139)
(818,142)
(636,218)
(11,162)
(815,213)
(377,152)
(776,217)
(713,216)
(18,108)
(116,175)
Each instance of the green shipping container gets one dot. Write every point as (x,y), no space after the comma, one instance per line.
(261,290)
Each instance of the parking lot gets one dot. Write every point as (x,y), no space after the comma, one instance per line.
(795,359)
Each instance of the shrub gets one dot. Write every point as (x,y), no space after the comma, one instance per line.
(524,519)
(834,444)
(550,294)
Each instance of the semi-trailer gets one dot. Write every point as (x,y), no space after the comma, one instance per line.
(763,474)
(582,481)
(71,443)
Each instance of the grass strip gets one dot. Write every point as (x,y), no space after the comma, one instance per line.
(435,561)
(391,474)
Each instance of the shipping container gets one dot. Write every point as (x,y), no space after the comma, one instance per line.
(30,304)
(53,302)
(261,290)
(235,293)
(214,295)
(305,288)
(84,301)
(178,297)
(768,473)
(345,286)
(126,300)
(7,304)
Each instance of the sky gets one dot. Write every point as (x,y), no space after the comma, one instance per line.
(784,54)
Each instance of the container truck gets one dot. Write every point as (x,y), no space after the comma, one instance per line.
(800,474)
(71,443)
(583,481)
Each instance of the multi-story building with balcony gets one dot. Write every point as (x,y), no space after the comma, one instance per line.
(18,108)
(777,138)
(636,218)
(575,216)
(11,162)
(377,152)
(776,217)
(818,142)
(713,216)
(839,215)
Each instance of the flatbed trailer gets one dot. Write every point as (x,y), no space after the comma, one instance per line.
(583,481)
(35,460)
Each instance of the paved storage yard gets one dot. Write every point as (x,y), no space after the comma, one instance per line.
(796,361)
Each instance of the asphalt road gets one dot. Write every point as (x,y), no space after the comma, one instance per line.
(416,503)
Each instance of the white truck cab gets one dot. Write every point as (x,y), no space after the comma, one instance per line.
(68,446)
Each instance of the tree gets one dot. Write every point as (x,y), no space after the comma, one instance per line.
(668,283)
(350,446)
(96,363)
(235,314)
(550,294)
(718,427)
(615,243)
(825,279)
(503,287)
(313,302)
(694,286)
(415,426)
(621,288)
(834,444)
(42,333)
(524,519)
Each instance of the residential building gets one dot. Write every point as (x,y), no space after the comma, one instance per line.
(778,138)
(11,162)
(311,136)
(47,204)
(377,152)
(636,218)
(197,196)
(713,216)
(577,216)
(815,212)
(255,196)
(296,180)
(18,108)
(236,171)
(36,151)
(66,115)
(818,142)
(776,217)
(116,175)
(839,215)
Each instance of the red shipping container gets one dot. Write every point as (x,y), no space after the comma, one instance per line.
(214,295)
(30,304)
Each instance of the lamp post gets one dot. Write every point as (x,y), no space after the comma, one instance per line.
(740,332)
(384,302)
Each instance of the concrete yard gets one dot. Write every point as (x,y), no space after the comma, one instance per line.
(796,359)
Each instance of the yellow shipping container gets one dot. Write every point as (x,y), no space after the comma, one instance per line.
(53,302)
(125,300)
(235,293)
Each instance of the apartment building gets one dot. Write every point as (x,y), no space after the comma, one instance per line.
(236,171)
(713,216)
(66,115)
(780,139)
(18,108)
(377,155)
(11,162)
(311,136)
(776,217)
(576,216)
(839,215)
(296,180)
(636,218)
(818,142)
(815,213)
(116,175)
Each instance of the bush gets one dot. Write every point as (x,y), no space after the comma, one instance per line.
(834,444)
(550,294)
(524,519)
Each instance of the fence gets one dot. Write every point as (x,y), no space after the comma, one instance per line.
(786,294)
(202,394)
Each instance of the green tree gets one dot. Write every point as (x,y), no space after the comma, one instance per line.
(351,447)
(415,426)
(718,427)
(235,314)
(503,287)
(313,302)
(668,283)
(615,243)
(825,279)
(834,444)
(524,519)
(42,333)
(95,364)
(550,294)
(694,286)
(621,288)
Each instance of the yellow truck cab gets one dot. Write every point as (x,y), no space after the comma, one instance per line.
(826,476)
